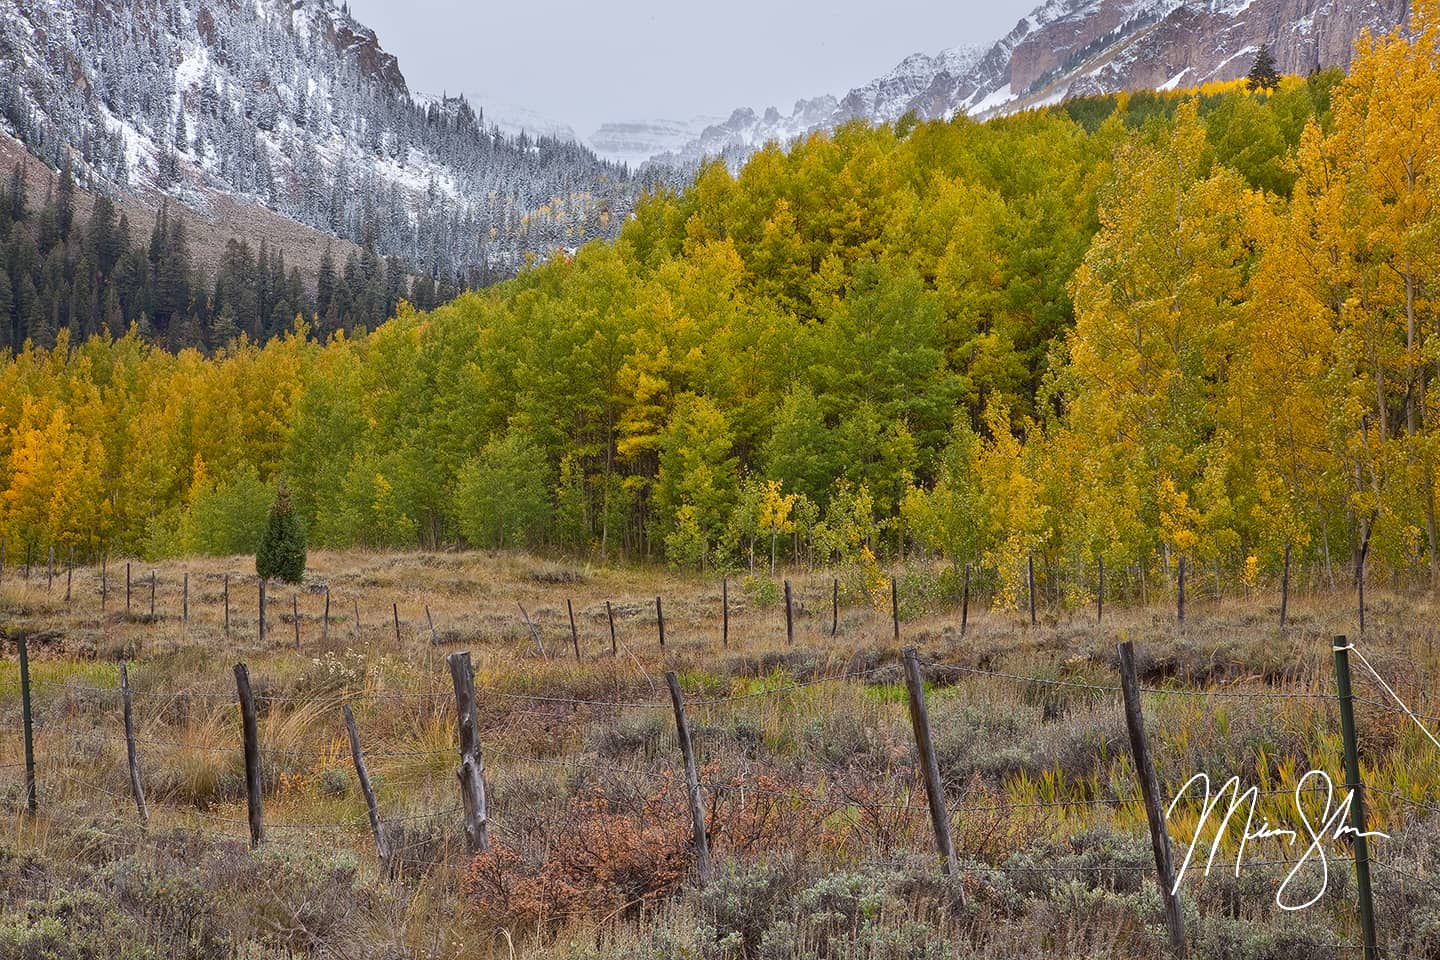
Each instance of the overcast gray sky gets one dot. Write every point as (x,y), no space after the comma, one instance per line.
(587,63)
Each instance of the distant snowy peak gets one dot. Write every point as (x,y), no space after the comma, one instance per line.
(1066,48)
(635,142)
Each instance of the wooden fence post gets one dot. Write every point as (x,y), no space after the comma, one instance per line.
(295,616)
(789,617)
(1360,585)
(128,591)
(1357,795)
(3,550)
(434,635)
(835,606)
(50,570)
(29,552)
(965,604)
(382,846)
(660,621)
(574,634)
(27,723)
(69,573)
(264,626)
(395,612)
(325,623)
(152,594)
(610,614)
(137,789)
(895,607)
(227,606)
(534,629)
(724,611)
(1150,790)
(692,779)
(1030,580)
(471,772)
(185,604)
(1180,595)
(929,767)
(104,580)
(1100,596)
(356,601)
(1285,589)
(253,804)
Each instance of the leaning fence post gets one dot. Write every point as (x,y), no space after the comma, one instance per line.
(610,615)
(136,788)
(325,623)
(1285,589)
(574,634)
(128,590)
(395,612)
(356,601)
(1150,790)
(660,621)
(535,630)
(692,778)
(1357,795)
(789,617)
(253,803)
(152,594)
(69,572)
(27,723)
(295,616)
(264,627)
(104,581)
(185,604)
(434,636)
(929,767)
(227,606)
(472,766)
(382,846)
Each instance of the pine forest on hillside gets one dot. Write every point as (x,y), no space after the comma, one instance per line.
(1135,327)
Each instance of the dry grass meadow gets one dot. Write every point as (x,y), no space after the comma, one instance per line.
(814,806)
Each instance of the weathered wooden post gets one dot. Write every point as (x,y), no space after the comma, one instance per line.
(69,572)
(253,804)
(27,722)
(834,606)
(29,553)
(127,588)
(137,789)
(724,611)
(574,634)
(929,767)
(1100,594)
(965,604)
(660,621)
(152,594)
(1357,795)
(227,606)
(1360,585)
(185,604)
(1180,595)
(434,634)
(471,772)
(104,581)
(395,612)
(610,614)
(1150,790)
(295,616)
(356,602)
(264,626)
(789,617)
(895,607)
(325,623)
(50,571)
(1030,580)
(382,845)
(692,779)
(1285,589)
(534,629)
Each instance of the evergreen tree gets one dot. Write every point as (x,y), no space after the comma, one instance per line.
(281,553)
(1263,75)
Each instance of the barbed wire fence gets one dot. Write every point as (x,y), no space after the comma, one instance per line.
(399,835)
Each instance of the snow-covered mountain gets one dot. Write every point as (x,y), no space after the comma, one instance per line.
(294,105)
(636,142)
(1068,48)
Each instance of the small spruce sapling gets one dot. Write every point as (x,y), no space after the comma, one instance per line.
(281,554)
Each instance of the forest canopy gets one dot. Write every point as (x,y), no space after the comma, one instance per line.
(1135,327)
